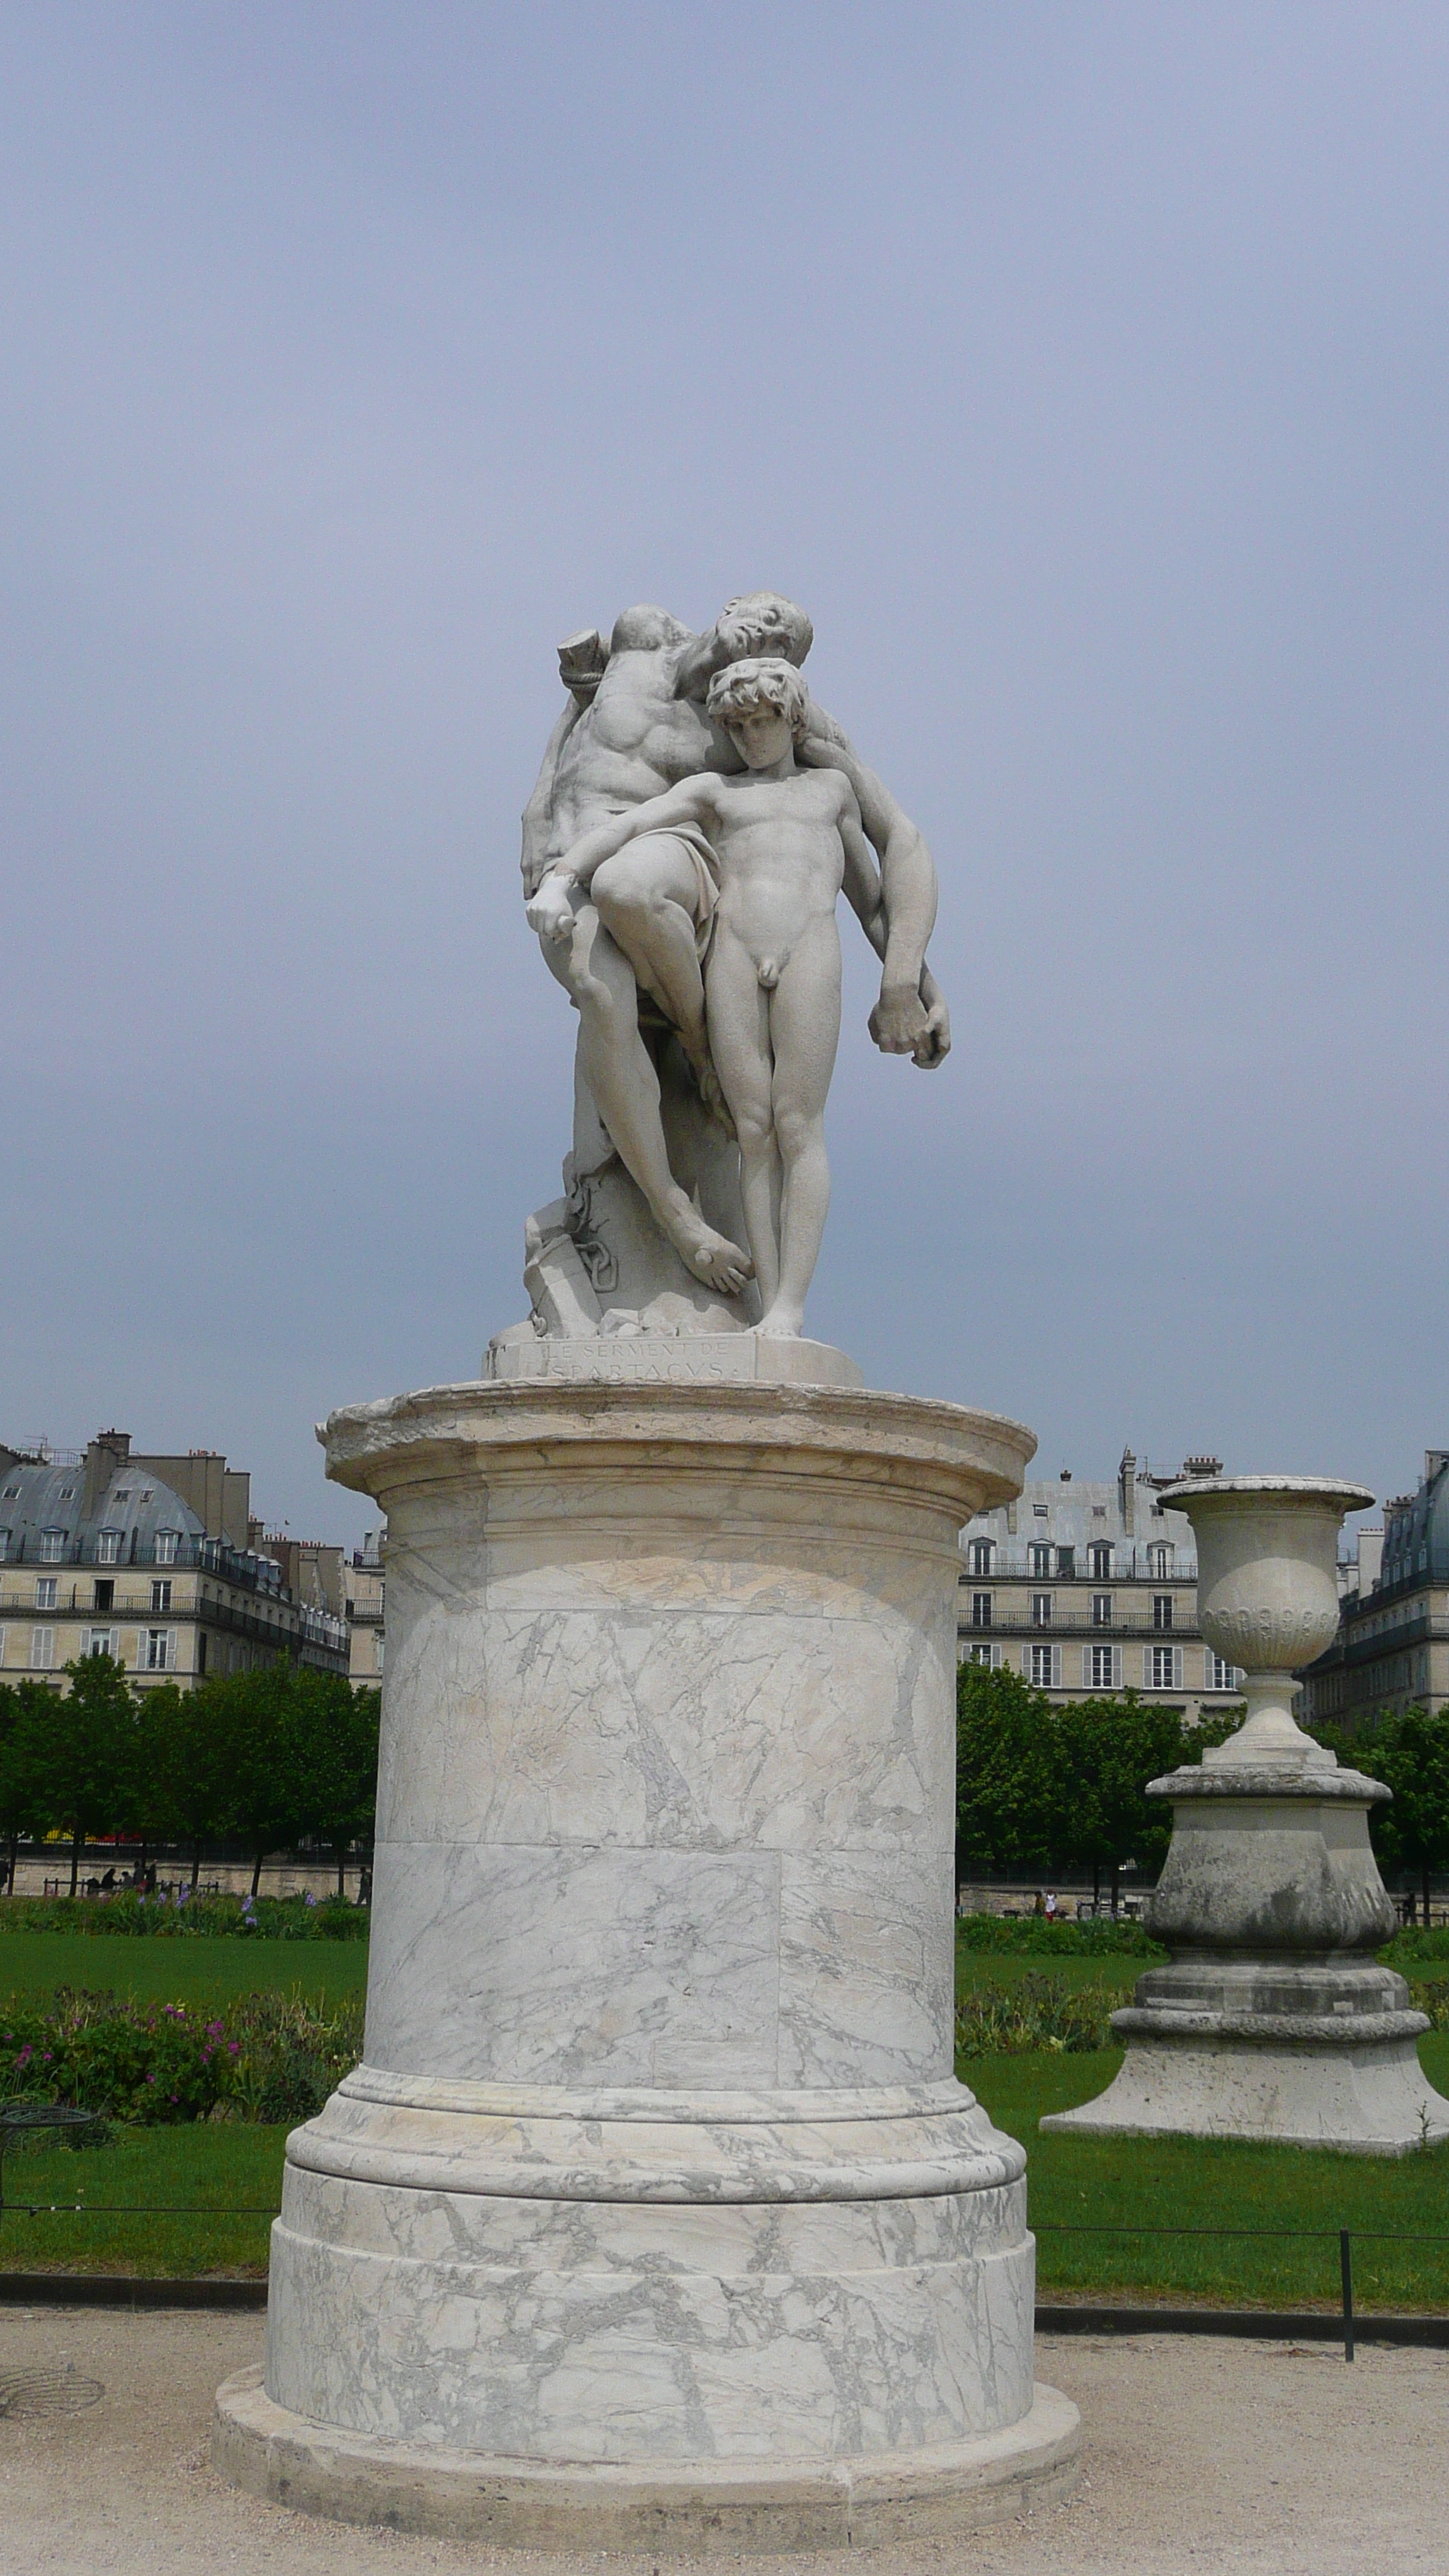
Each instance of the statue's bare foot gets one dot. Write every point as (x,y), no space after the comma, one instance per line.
(781,1324)
(709,1256)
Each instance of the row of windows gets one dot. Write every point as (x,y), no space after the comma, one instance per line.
(1043,1560)
(1103,1667)
(51,1546)
(983,1612)
(47,1587)
(156,1648)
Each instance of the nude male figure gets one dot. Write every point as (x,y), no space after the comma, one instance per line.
(785,841)
(636,724)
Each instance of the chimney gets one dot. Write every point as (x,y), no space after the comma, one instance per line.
(1435,1461)
(105,1457)
(1127,1493)
(1202,1466)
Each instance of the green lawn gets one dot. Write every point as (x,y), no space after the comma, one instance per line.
(223,2181)
(196,1969)
(1122,2183)
(235,2172)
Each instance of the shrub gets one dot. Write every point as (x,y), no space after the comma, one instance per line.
(1034,1932)
(1415,1942)
(289,2057)
(266,2058)
(1040,2012)
(276,1918)
(163,2065)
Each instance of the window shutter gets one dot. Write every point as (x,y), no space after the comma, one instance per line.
(997,1655)
(1147,1668)
(1056,1668)
(1116,1668)
(1026,1663)
(1177,1668)
(1086,1668)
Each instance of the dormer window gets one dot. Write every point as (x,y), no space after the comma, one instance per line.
(108,1547)
(122,1494)
(166,1546)
(52,1547)
(12,1493)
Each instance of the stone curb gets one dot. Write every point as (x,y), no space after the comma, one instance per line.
(124,2290)
(1262,2325)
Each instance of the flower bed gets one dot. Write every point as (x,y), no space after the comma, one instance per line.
(268,2057)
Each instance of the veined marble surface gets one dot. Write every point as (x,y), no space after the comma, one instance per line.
(657,2153)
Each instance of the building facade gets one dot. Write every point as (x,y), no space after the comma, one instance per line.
(1086,1589)
(100,1554)
(1392,1647)
(363,1578)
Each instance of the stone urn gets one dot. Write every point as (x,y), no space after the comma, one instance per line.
(1272,2019)
(1267,1596)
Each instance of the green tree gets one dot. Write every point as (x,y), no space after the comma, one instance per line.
(256,1755)
(336,1761)
(20,1805)
(1107,1749)
(1006,1788)
(1408,1749)
(1047,1788)
(78,1753)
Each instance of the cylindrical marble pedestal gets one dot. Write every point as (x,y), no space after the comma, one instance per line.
(655,2215)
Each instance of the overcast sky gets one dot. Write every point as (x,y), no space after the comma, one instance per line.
(1081,368)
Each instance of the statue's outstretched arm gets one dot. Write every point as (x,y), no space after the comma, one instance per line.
(538,812)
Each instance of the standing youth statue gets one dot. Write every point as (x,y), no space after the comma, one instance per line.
(694,820)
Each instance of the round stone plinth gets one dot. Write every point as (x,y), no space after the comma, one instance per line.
(659,2506)
(656,2184)
(1272,2020)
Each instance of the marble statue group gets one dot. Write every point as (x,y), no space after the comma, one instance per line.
(695,820)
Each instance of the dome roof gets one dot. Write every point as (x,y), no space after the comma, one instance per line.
(39,1498)
(1416,1530)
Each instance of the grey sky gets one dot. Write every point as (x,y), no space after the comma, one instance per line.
(1083,369)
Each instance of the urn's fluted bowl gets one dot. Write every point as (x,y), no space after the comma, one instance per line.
(1267,1550)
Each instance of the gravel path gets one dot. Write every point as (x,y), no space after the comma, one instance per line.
(1235,2456)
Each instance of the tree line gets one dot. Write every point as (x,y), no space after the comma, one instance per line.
(268,1758)
(1046,1789)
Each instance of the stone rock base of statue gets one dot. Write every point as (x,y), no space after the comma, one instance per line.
(655,2217)
(1269,2022)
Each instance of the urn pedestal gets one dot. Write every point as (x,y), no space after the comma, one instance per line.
(655,2216)
(1272,2019)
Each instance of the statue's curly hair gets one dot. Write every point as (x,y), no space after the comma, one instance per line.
(764,681)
